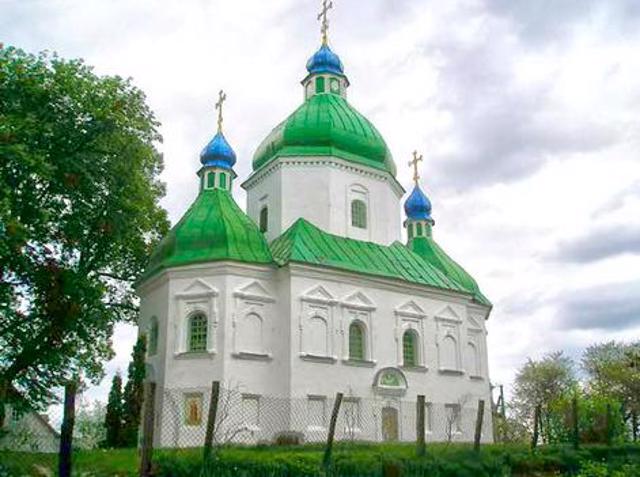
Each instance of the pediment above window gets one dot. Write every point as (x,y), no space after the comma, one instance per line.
(254,291)
(359,301)
(448,314)
(198,289)
(319,294)
(412,309)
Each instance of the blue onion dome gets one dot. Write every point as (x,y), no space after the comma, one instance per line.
(418,205)
(218,153)
(325,61)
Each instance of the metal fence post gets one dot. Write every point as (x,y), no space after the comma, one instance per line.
(66,431)
(420,415)
(332,430)
(211,420)
(536,421)
(147,429)
(479,418)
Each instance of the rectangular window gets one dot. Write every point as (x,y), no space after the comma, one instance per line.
(320,84)
(359,214)
(193,409)
(251,410)
(222,181)
(198,333)
(317,412)
(264,219)
(211,178)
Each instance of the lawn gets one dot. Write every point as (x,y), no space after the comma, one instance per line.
(355,460)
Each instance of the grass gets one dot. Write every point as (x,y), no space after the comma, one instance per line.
(99,463)
(361,460)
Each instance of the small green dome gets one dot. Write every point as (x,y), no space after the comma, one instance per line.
(327,125)
(214,228)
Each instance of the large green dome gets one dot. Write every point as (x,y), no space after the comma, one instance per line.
(327,125)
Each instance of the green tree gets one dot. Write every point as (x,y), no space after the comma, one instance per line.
(113,416)
(541,383)
(89,430)
(79,214)
(613,371)
(134,394)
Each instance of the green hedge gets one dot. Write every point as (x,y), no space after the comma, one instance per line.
(398,460)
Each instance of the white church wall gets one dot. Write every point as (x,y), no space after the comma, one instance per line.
(321,190)
(392,308)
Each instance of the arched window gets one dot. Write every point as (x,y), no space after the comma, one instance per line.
(250,336)
(449,352)
(264,219)
(356,341)
(317,342)
(153,336)
(198,333)
(359,214)
(320,84)
(222,180)
(410,348)
(419,229)
(211,180)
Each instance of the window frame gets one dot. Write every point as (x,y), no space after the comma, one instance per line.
(360,326)
(204,332)
(359,215)
(415,351)
(263,219)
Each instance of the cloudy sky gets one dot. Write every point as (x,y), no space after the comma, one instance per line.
(526,112)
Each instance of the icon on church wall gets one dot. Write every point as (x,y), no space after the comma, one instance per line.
(193,409)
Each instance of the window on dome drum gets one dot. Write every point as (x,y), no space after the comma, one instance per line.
(211,180)
(198,333)
(419,229)
(222,180)
(153,336)
(410,348)
(264,219)
(335,85)
(356,341)
(359,214)
(320,84)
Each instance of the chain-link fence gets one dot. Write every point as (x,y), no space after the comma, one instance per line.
(250,419)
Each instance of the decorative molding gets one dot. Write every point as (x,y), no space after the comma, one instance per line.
(459,372)
(411,309)
(448,314)
(323,161)
(358,301)
(414,369)
(361,363)
(254,291)
(319,294)
(318,359)
(197,289)
(194,355)
(252,356)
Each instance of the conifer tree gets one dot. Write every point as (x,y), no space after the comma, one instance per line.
(113,418)
(134,394)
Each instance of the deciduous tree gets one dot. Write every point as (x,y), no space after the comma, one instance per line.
(79,213)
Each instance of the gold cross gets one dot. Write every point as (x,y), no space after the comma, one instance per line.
(326,6)
(221,99)
(414,163)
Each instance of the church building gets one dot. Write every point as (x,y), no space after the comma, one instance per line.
(313,290)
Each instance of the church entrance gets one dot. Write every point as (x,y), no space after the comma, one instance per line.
(389,424)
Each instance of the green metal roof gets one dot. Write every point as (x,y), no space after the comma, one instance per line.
(214,228)
(433,255)
(304,242)
(327,125)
